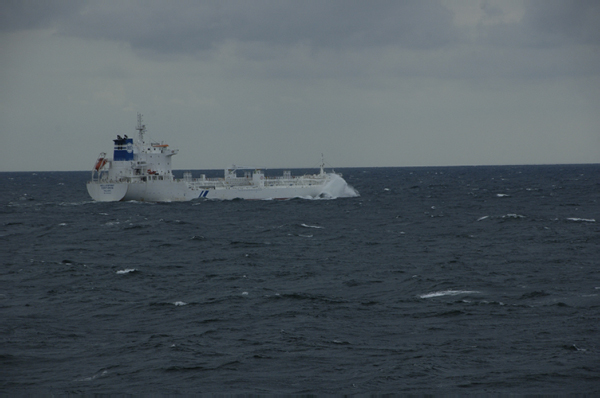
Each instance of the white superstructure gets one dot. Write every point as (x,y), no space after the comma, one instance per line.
(142,171)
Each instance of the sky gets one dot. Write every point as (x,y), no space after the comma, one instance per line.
(277,83)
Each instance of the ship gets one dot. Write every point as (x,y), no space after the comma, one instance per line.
(141,170)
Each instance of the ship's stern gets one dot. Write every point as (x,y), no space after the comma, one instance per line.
(106,192)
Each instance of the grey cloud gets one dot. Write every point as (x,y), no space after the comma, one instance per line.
(32,14)
(193,26)
(334,38)
(190,27)
(333,24)
(490,10)
(550,23)
(565,21)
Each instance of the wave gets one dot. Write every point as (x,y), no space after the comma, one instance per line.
(97,375)
(310,226)
(447,293)
(514,216)
(126,271)
(511,216)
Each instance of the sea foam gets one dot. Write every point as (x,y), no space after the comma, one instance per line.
(447,293)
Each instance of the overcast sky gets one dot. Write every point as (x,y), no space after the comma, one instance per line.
(275,83)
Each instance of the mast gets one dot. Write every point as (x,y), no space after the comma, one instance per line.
(322,164)
(141,128)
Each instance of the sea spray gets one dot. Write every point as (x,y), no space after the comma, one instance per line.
(337,187)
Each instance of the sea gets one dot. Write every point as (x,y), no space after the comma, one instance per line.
(413,280)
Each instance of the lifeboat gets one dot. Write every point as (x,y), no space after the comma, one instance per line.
(100,164)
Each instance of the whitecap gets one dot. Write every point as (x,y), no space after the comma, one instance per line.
(582,219)
(179,303)
(447,293)
(103,373)
(513,216)
(482,218)
(342,342)
(502,195)
(310,226)
(126,271)
(73,203)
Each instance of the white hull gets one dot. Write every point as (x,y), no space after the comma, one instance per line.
(258,193)
(156,191)
(161,191)
(180,190)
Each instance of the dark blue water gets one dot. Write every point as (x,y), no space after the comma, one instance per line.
(460,280)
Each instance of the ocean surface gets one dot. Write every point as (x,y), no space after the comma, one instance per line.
(438,280)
